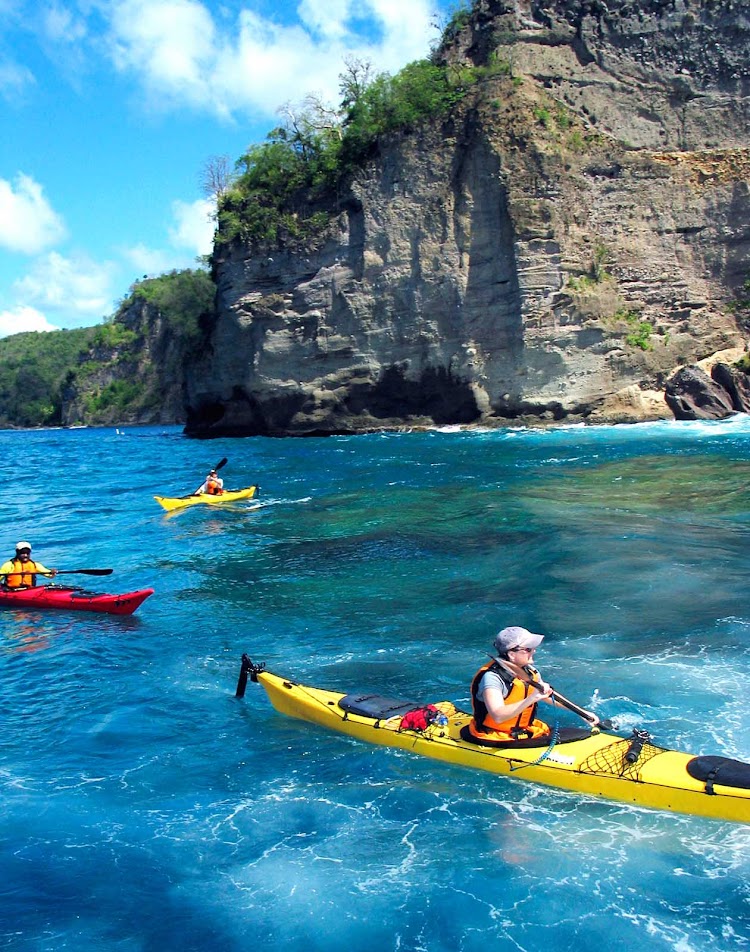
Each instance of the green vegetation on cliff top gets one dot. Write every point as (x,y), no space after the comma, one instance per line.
(285,189)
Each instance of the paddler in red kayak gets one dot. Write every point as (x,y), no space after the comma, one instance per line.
(504,705)
(21,571)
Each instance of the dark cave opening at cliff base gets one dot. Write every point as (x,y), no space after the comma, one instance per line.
(436,394)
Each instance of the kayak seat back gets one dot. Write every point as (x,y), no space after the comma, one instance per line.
(376,706)
(565,736)
(722,770)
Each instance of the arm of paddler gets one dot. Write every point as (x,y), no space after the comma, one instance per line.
(500,711)
(43,570)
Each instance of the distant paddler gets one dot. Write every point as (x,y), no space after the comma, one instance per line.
(21,571)
(213,484)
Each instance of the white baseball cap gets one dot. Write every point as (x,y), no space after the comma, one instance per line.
(515,637)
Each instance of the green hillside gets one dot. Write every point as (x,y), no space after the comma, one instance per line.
(127,369)
(33,369)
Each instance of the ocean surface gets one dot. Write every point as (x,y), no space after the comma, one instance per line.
(146,809)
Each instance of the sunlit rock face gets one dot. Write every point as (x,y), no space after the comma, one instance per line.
(577,229)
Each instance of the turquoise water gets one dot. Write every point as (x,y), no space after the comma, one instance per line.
(145,808)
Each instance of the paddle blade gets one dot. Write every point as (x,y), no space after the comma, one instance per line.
(222,462)
(85,571)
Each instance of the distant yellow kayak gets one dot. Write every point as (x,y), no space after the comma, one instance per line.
(229,495)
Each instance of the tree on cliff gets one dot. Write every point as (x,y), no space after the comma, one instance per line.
(285,188)
(217,176)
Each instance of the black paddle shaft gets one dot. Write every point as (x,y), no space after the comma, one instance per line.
(74,572)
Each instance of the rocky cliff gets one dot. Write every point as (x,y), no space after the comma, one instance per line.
(576,229)
(132,373)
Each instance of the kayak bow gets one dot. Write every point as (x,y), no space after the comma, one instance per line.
(180,502)
(598,764)
(73,599)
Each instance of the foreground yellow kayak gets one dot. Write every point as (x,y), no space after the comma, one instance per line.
(598,764)
(229,495)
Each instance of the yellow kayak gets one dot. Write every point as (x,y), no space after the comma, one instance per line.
(594,763)
(230,495)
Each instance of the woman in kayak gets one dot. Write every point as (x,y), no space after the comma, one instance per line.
(504,705)
(213,486)
(20,571)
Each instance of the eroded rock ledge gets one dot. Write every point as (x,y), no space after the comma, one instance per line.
(575,231)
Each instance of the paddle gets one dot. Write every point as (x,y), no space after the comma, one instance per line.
(222,462)
(70,572)
(84,571)
(518,672)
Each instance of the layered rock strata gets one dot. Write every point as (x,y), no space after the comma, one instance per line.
(573,232)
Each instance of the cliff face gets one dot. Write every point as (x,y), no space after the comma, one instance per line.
(577,229)
(133,373)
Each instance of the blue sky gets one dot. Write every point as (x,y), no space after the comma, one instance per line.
(110,109)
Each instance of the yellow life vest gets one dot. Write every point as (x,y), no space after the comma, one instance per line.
(521,727)
(22,576)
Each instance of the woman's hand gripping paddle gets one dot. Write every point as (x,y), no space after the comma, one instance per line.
(518,672)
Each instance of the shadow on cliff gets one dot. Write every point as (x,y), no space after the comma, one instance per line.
(435,398)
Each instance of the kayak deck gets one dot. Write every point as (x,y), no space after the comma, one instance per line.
(74,599)
(230,495)
(594,765)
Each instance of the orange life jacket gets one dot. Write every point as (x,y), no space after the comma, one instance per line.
(213,488)
(521,727)
(23,576)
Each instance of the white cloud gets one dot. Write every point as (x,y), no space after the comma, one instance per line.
(64,36)
(171,44)
(61,25)
(150,261)
(191,235)
(28,223)
(195,226)
(184,57)
(22,319)
(76,287)
(327,17)
(14,80)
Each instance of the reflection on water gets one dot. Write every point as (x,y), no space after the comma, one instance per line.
(29,631)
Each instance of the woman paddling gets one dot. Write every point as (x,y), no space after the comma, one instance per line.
(504,704)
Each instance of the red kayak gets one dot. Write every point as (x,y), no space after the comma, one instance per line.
(75,599)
